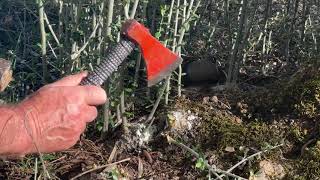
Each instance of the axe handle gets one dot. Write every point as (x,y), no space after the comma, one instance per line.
(115,56)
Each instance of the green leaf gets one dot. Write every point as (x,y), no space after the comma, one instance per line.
(200,164)
(48,157)
(128,90)
(99,127)
(157,35)
(163,10)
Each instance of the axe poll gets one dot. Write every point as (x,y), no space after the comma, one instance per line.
(159,60)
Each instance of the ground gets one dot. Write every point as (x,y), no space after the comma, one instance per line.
(277,123)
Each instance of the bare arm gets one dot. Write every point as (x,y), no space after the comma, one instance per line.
(11,131)
(51,119)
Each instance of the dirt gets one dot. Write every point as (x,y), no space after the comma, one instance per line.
(224,126)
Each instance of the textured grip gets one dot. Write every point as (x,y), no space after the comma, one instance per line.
(115,56)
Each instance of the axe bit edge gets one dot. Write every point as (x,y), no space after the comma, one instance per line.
(165,72)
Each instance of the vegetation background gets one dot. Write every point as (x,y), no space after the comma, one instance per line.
(254,42)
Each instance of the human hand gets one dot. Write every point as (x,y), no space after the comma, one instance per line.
(54,117)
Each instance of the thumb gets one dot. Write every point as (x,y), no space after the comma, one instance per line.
(71,80)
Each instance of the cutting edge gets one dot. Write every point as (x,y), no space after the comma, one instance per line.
(165,72)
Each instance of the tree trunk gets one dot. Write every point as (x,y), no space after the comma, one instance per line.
(290,33)
(234,57)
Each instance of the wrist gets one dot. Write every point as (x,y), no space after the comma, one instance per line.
(14,138)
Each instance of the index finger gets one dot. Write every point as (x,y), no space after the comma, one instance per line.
(94,95)
(71,80)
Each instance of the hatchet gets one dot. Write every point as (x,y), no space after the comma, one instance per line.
(159,60)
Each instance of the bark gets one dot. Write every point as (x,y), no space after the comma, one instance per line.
(106,108)
(234,57)
(290,33)
(305,13)
(43,42)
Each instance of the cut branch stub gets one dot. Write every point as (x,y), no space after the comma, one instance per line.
(5,73)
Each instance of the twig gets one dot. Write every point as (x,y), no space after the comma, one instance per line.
(126,10)
(30,133)
(125,124)
(140,167)
(50,28)
(43,41)
(213,170)
(77,53)
(305,146)
(99,167)
(36,169)
(134,9)
(113,152)
(59,159)
(250,157)
(52,50)
(156,104)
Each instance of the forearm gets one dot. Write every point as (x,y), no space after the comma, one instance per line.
(52,119)
(14,139)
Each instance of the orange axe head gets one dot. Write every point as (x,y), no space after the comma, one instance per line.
(159,60)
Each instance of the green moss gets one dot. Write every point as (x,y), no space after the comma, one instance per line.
(295,99)
(308,166)
(219,130)
(302,93)
(309,104)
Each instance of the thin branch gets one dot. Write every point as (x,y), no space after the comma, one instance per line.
(126,10)
(50,28)
(36,169)
(251,157)
(52,50)
(194,153)
(77,54)
(134,9)
(156,104)
(43,41)
(99,167)
(110,16)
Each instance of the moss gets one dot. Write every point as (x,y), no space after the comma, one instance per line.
(286,100)
(219,129)
(298,95)
(308,166)
(302,93)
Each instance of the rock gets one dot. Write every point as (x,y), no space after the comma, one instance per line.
(272,170)
(214,99)
(205,100)
(230,149)
(238,120)
(202,73)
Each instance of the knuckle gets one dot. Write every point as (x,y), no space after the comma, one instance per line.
(73,96)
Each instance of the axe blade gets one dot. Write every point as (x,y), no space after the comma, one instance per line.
(160,61)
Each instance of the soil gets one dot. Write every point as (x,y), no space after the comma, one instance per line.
(223,126)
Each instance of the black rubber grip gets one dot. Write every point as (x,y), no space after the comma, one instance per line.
(115,56)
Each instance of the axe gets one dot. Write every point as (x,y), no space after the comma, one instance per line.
(159,60)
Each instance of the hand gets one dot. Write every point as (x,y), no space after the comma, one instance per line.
(53,118)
